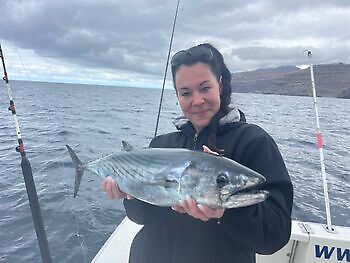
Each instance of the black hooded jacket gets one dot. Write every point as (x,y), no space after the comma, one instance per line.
(171,237)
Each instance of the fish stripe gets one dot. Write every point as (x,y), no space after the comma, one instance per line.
(129,168)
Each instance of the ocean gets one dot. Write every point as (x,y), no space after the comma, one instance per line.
(94,120)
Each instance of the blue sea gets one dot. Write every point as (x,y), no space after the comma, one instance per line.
(94,120)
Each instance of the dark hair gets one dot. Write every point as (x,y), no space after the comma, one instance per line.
(218,67)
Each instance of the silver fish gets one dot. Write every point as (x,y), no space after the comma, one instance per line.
(165,176)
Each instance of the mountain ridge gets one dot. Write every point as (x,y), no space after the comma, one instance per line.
(331,80)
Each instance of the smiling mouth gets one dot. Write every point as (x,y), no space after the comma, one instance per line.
(201,112)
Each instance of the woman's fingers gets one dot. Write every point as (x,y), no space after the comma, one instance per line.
(178,208)
(111,188)
(129,197)
(201,212)
(115,192)
(193,210)
(211,213)
(104,184)
(207,150)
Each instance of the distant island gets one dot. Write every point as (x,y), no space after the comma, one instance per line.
(332,80)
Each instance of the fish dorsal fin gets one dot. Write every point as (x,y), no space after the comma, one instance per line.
(127,146)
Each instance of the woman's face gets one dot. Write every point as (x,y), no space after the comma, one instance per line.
(198,92)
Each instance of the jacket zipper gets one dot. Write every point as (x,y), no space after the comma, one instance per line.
(195,139)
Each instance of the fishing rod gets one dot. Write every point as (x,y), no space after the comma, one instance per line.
(28,176)
(166,68)
(320,146)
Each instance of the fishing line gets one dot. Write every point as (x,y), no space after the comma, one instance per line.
(166,68)
(78,235)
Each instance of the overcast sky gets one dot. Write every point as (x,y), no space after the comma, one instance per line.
(126,42)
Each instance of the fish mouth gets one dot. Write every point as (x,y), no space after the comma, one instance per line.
(244,197)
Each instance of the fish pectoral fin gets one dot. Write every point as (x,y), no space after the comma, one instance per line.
(173,177)
(127,147)
(171,183)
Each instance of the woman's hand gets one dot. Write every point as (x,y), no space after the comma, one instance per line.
(201,212)
(112,190)
(206,149)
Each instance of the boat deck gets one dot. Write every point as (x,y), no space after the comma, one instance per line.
(309,242)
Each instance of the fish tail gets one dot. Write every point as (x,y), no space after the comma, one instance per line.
(79,169)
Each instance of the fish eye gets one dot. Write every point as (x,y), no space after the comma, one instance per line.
(222,180)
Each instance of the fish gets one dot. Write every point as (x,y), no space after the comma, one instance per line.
(166,176)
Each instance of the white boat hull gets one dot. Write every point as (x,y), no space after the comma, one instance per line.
(313,243)
(309,243)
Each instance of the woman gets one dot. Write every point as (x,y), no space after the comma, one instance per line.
(189,232)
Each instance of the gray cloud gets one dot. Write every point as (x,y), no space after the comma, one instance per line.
(133,35)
